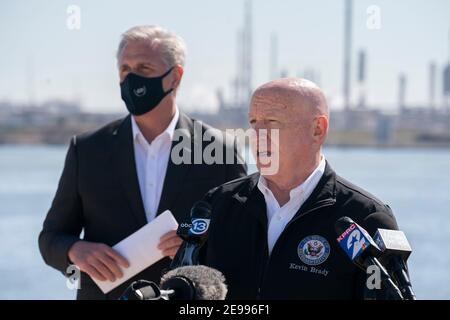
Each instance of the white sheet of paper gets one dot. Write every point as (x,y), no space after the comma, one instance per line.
(140,248)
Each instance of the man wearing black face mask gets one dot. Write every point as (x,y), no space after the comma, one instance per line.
(142,94)
(122,176)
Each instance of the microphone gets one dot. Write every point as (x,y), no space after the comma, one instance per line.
(363,251)
(184,283)
(141,290)
(194,235)
(395,252)
(194,283)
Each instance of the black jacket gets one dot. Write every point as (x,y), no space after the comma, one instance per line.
(237,242)
(99,193)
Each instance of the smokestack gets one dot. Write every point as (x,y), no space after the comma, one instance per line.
(402,92)
(432,86)
(446,81)
(362,78)
(347,53)
(239,70)
(248,52)
(243,83)
(446,88)
(362,66)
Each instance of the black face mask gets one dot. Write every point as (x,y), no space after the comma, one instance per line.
(142,94)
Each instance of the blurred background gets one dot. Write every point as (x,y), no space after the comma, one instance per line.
(384,66)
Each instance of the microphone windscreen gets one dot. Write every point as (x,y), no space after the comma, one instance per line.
(208,283)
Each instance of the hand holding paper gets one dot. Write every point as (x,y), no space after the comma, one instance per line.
(141,248)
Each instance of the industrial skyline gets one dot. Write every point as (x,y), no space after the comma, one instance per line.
(354,74)
(45,61)
(358,122)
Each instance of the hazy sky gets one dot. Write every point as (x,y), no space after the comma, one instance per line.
(38,47)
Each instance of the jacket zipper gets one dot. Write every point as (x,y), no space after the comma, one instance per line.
(263,277)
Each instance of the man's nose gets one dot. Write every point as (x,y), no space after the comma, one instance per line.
(262,133)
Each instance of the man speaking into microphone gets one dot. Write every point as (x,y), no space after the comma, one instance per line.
(272,233)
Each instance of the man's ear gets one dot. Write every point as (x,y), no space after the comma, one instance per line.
(320,128)
(177,74)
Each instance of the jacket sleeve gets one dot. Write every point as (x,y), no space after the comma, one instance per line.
(382,219)
(63,224)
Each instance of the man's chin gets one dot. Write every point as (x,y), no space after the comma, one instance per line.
(267,169)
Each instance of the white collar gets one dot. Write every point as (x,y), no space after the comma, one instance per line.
(168,131)
(306,187)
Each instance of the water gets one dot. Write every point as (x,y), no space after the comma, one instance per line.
(416,183)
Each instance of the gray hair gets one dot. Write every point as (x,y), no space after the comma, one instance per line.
(173,48)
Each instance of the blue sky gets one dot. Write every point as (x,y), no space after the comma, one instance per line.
(81,63)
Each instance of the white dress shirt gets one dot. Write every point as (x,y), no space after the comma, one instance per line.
(278,217)
(151,164)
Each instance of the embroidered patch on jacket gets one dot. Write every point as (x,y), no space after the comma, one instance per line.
(313,250)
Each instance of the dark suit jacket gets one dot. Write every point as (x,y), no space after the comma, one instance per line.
(98,193)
